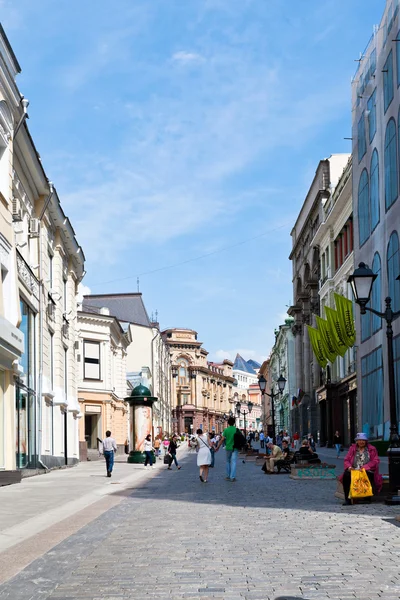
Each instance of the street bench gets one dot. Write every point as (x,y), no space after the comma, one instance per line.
(312,471)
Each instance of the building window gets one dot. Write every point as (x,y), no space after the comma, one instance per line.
(396,356)
(27,361)
(91,360)
(388,82)
(398,59)
(362,143)
(66,373)
(363,207)
(376,293)
(65,292)
(183,372)
(52,360)
(371,106)
(372,392)
(374,185)
(391,185)
(2,437)
(393,268)
(50,271)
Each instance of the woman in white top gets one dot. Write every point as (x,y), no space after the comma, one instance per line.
(148,450)
(203,455)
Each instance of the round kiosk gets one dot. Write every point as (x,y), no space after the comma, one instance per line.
(141,421)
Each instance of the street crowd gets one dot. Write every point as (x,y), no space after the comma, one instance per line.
(360,479)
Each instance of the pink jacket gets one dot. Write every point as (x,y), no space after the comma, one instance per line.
(372,465)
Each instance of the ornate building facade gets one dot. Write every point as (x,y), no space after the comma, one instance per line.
(202,392)
(305,257)
(337,396)
(103,344)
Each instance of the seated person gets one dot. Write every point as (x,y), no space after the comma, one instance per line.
(361,455)
(306,452)
(287,455)
(274,456)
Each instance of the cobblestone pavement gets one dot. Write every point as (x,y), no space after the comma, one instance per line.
(262,537)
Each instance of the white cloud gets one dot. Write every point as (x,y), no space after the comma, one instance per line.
(185,57)
(83,290)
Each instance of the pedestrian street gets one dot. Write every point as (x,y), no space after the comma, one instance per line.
(169,536)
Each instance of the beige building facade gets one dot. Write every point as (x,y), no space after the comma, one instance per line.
(201,391)
(102,349)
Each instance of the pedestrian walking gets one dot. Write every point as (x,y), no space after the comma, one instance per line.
(228,436)
(296,441)
(204,457)
(148,450)
(337,440)
(213,444)
(109,447)
(262,439)
(172,449)
(157,445)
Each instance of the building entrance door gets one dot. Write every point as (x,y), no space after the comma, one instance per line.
(92,430)
(187,424)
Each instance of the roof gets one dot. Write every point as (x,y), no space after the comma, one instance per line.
(254,364)
(125,307)
(241,365)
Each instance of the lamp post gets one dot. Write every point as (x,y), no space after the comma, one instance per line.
(361,282)
(244,413)
(262,382)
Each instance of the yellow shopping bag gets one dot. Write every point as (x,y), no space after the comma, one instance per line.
(360,486)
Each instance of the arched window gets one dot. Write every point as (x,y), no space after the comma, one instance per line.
(391,179)
(376,298)
(363,208)
(393,267)
(183,371)
(374,186)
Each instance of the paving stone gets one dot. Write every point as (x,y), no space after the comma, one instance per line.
(262,538)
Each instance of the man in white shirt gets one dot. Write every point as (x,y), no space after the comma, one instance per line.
(109,446)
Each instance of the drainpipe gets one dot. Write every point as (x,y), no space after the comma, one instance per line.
(41,325)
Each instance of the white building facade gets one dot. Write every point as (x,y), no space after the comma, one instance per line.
(42,267)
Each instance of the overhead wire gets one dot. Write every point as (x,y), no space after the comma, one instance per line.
(195,258)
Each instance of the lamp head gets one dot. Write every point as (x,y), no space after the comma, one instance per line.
(238,405)
(250,406)
(262,383)
(361,282)
(281,383)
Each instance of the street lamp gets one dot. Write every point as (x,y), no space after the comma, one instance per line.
(244,413)
(262,382)
(361,282)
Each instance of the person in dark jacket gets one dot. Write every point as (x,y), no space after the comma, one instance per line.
(172,448)
(337,440)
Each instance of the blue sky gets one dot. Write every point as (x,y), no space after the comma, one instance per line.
(174,129)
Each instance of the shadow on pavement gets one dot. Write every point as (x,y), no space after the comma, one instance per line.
(253,489)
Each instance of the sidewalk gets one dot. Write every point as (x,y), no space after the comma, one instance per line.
(43,510)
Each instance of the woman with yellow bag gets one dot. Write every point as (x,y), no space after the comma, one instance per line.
(362,459)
